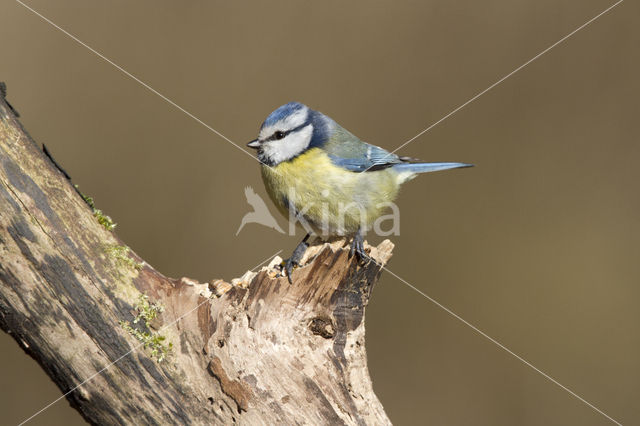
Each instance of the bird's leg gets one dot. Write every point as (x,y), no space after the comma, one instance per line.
(296,257)
(357,247)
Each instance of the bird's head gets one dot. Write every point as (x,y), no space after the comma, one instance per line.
(289,131)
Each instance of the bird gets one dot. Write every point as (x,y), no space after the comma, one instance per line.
(327,180)
(260,213)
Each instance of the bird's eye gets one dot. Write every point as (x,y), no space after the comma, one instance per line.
(278,135)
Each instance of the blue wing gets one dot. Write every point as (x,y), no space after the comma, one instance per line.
(374,158)
(347,151)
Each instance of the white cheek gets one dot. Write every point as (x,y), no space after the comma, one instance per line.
(290,146)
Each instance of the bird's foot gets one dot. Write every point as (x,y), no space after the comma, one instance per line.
(288,265)
(357,248)
(291,263)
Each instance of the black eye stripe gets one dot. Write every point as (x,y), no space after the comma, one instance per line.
(277,135)
(281,134)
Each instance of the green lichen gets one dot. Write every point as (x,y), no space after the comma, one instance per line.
(121,254)
(146,313)
(103,219)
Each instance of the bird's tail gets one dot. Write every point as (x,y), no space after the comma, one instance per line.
(428,167)
(407,171)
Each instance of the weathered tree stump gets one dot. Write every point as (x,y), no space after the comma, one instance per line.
(254,351)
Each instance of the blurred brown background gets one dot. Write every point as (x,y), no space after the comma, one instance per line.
(538,245)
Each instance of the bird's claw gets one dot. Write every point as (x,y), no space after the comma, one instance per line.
(357,248)
(288,266)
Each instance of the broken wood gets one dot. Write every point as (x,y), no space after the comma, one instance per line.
(129,345)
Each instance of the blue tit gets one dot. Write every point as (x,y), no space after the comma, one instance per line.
(326,179)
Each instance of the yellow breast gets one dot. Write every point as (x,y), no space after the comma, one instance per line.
(333,200)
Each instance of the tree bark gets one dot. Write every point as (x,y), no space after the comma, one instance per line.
(254,351)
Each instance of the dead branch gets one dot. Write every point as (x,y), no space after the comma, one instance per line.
(254,351)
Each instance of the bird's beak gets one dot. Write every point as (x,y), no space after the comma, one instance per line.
(254,144)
